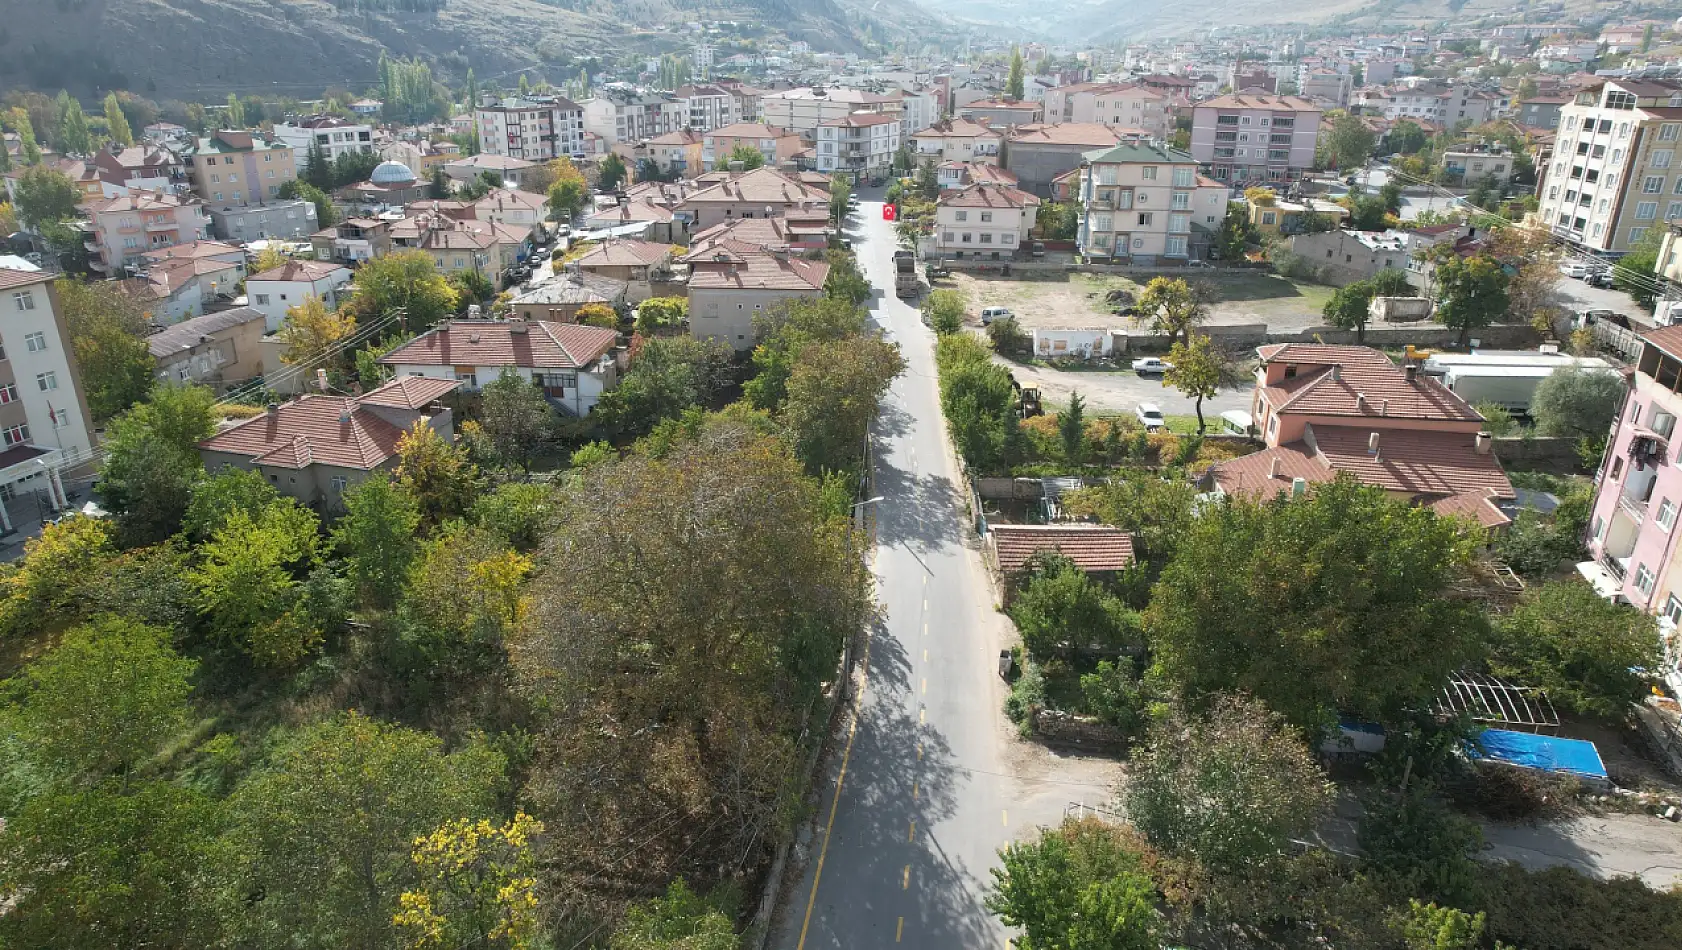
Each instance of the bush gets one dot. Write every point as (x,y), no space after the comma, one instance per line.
(1007,336)
(1503,793)
(1560,909)
(1115,695)
(1027,697)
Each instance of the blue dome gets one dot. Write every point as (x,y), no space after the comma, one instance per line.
(392,173)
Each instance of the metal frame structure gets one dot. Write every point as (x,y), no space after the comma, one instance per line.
(1496,702)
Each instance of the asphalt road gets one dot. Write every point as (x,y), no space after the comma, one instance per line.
(925,783)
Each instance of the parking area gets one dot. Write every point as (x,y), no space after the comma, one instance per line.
(1066,300)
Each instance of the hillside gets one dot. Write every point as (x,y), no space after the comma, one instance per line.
(206,48)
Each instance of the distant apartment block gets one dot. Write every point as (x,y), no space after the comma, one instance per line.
(237,167)
(1252,138)
(534,129)
(121,230)
(1123,104)
(1140,201)
(864,143)
(619,114)
(710,107)
(328,134)
(803,110)
(44,419)
(1613,175)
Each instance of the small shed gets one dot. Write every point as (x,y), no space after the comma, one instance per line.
(1064,342)
(1099,550)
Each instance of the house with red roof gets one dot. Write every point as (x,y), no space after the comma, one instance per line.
(1326,411)
(1099,550)
(573,364)
(318,446)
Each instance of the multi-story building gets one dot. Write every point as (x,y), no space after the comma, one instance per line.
(710,107)
(863,143)
(1240,138)
(1632,530)
(219,350)
(1122,104)
(237,167)
(1471,164)
(777,145)
(1038,154)
(623,114)
(531,128)
(803,110)
(760,193)
(279,289)
(328,134)
(1333,87)
(1003,113)
(1541,112)
(1613,175)
(571,363)
(958,140)
(984,221)
(732,283)
(1448,105)
(121,230)
(44,419)
(282,218)
(1139,202)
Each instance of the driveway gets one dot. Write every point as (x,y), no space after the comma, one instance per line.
(1120,391)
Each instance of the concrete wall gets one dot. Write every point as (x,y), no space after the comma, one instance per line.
(1251,335)
(1036,165)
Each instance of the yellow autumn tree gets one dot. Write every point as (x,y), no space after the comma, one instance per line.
(478,886)
(311,331)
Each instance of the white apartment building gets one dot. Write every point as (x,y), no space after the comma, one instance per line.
(330,134)
(919,109)
(1614,173)
(533,128)
(44,418)
(1118,104)
(863,143)
(985,220)
(273,292)
(710,107)
(1249,137)
(1140,201)
(803,110)
(1449,105)
(622,114)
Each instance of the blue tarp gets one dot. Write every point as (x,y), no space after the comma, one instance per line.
(1546,753)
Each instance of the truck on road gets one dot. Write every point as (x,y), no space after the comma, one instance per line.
(906,283)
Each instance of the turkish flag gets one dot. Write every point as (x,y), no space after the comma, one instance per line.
(889,212)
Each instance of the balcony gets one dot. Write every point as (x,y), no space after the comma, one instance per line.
(154,227)
(1635,508)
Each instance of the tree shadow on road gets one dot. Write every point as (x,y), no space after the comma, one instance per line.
(920,511)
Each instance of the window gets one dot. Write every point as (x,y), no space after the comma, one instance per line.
(1148,173)
(1667,133)
(23,300)
(47,381)
(1636,234)
(17,435)
(61,418)
(260,299)
(1646,211)
(227,159)
(1652,185)
(1661,158)
(967,238)
(1185,177)
(1667,514)
(1673,211)
(8,393)
(35,342)
(986,237)
(1181,201)
(1144,219)
(1553,192)
(471,380)
(1179,223)
(338,482)
(1176,246)
(986,217)
(947,237)
(1267,217)
(1644,579)
(960,215)
(1007,238)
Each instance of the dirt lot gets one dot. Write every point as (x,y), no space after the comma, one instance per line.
(1077,300)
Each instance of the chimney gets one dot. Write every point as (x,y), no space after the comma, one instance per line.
(1482,443)
(274,408)
(1299,487)
(1372,445)
(516,324)
(344,412)
(1273,468)
(1360,402)
(1337,372)
(1384,407)
(321,380)
(1412,373)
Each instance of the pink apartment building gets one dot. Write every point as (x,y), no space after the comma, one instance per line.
(1632,536)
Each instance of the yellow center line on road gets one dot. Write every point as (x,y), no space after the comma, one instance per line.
(921,713)
(925,685)
(1004,818)
(913,791)
(919,752)
(911,835)
(905,883)
(899,931)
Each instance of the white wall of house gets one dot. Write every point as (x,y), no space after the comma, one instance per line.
(1084,343)
(573,391)
(272,298)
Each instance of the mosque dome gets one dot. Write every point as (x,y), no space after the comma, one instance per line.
(392,173)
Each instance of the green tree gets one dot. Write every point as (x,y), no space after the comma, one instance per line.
(1199,371)
(669,375)
(116,124)
(315,335)
(1349,305)
(103,701)
(439,476)
(784,330)
(519,512)
(1633,273)
(1014,85)
(679,920)
(978,400)
(107,334)
(612,172)
(1574,402)
(1232,789)
(74,136)
(1471,294)
(324,831)
(1236,234)
(834,394)
(44,195)
(465,593)
(1071,428)
(477,888)
(250,582)
(152,461)
(1426,926)
(1059,609)
(218,496)
(439,184)
(516,418)
(1156,510)
(749,156)
(1578,647)
(1171,307)
(944,311)
(845,282)
(1407,137)
(235,112)
(1334,602)
(405,282)
(326,212)
(1413,844)
(928,181)
(58,568)
(1081,886)
(661,313)
(1007,336)
(94,868)
(840,196)
(1348,145)
(377,537)
(568,192)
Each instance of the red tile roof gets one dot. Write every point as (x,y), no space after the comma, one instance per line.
(22,278)
(859,120)
(1084,134)
(1330,379)
(1091,547)
(989,195)
(752,268)
(625,254)
(543,345)
(316,429)
(410,392)
(305,271)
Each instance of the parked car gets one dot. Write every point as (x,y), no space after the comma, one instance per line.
(1151,364)
(1600,278)
(1150,416)
(989,314)
(1577,269)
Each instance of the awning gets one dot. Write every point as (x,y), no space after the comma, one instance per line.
(1600,579)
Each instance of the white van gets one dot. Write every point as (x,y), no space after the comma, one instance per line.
(1237,422)
(989,314)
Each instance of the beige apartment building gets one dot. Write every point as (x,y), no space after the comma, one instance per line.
(803,110)
(1140,201)
(1614,174)
(777,145)
(1123,104)
(238,167)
